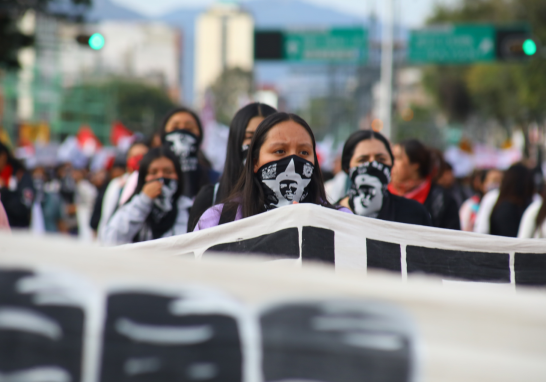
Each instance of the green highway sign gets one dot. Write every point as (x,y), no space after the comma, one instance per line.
(453,44)
(330,45)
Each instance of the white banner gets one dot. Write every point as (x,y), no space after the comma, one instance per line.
(308,232)
(70,312)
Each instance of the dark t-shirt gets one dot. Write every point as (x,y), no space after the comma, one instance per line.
(401,210)
(505,219)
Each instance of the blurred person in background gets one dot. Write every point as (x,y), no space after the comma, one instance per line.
(470,207)
(100,180)
(446,179)
(281,169)
(533,221)
(67,189)
(367,159)
(4,222)
(412,179)
(16,189)
(241,130)
(111,200)
(157,208)
(491,186)
(182,132)
(337,187)
(84,199)
(515,194)
(52,203)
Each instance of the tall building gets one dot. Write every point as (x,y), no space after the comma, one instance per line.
(224,40)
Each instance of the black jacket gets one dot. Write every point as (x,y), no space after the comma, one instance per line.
(401,210)
(505,219)
(442,208)
(203,201)
(18,202)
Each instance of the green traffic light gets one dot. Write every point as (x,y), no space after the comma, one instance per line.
(529,47)
(96,41)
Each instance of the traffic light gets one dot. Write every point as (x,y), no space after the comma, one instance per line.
(514,44)
(94,41)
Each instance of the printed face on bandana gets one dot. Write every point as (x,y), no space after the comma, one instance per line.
(184,145)
(369,182)
(164,202)
(285,181)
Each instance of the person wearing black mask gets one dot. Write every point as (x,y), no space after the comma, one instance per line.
(241,131)
(157,208)
(182,133)
(367,159)
(281,169)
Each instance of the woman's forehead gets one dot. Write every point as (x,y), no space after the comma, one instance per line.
(370,146)
(289,131)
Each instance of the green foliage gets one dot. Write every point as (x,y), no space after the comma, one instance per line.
(138,105)
(507,92)
(422,126)
(231,87)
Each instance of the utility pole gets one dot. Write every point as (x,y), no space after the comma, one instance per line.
(385,106)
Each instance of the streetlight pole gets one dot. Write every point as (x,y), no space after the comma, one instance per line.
(385,106)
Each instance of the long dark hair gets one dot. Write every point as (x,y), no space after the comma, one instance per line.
(248,190)
(11,160)
(233,167)
(182,109)
(357,137)
(517,186)
(420,154)
(153,154)
(541,216)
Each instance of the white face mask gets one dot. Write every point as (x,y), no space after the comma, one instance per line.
(369,183)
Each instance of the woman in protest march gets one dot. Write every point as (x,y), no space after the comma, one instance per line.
(182,132)
(281,169)
(367,159)
(16,189)
(241,131)
(158,207)
(412,179)
(515,194)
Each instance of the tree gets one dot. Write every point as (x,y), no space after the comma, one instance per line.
(507,92)
(11,38)
(232,87)
(138,105)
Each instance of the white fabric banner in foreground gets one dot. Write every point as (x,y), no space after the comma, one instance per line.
(308,232)
(74,313)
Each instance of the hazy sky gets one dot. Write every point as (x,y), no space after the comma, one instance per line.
(412,12)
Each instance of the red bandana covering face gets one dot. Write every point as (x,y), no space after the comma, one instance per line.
(6,174)
(418,194)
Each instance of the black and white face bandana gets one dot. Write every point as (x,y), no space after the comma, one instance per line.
(285,181)
(244,153)
(369,183)
(185,146)
(164,202)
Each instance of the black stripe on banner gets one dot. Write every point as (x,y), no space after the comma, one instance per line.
(281,244)
(472,266)
(530,269)
(318,244)
(383,255)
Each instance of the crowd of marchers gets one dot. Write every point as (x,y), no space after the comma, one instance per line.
(165,187)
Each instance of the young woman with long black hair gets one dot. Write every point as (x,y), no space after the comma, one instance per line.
(367,159)
(515,195)
(281,169)
(182,132)
(241,130)
(157,208)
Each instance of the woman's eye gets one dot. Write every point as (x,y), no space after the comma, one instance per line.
(305,153)
(279,151)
